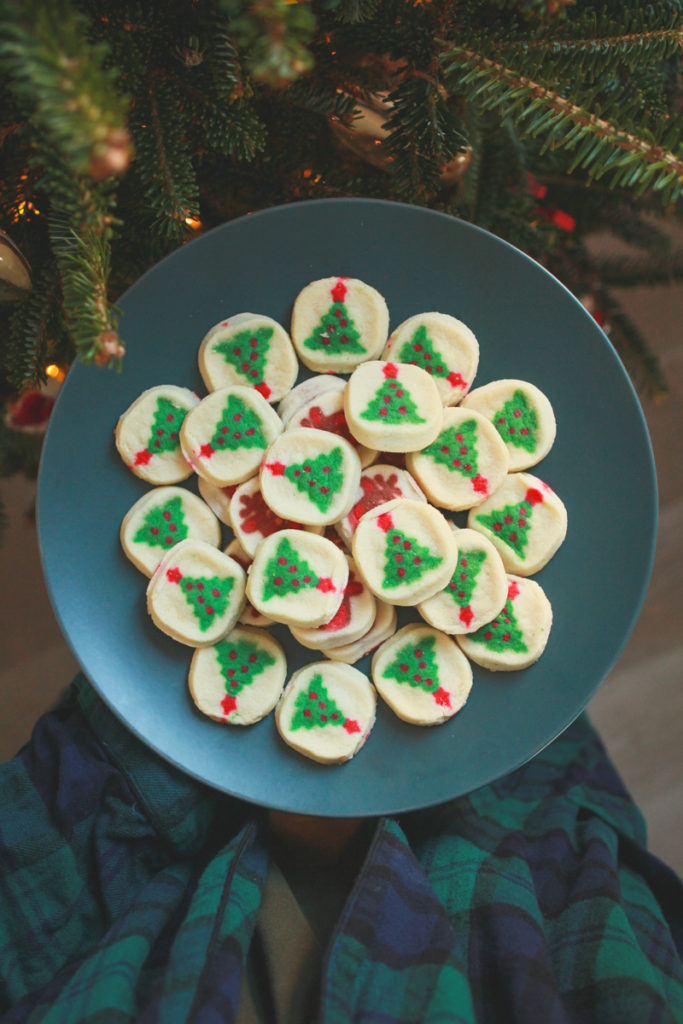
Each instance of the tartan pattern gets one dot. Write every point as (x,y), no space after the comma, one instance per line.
(129,892)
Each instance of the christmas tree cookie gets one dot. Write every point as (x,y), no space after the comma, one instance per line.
(476,591)
(353,618)
(297,578)
(306,391)
(253,520)
(326,412)
(238,680)
(422,675)
(226,435)
(249,349)
(443,346)
(378,484)
(310,476)
(147,434)
(162,518)
(465,463)
(327,711)
(337,323)
(525,520)
(517,636)
(405,550)
(392,407)
(521,414)
(381,629)
(196,593)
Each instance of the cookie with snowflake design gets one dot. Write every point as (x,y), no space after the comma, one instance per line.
(521,414)
(225,437)
(306,391)
(217,498)
(476,591)
(251,350)
(443,346)
(464,464)
(422,675)
(147,434)
(238,680)
(525,521)
(162,518)
(253,520)
(382,628)
(326,412)
(310,476)
(378,484)
(327,711)
(392,407)
(196,593)
(297,578)
(517,636)
(405,550)
(337,323)
(353,618)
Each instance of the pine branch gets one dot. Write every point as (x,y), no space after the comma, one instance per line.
(637,271)
(34,330)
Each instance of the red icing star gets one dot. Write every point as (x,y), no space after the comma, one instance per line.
(263,389)
(456,381)
(513,590)
(442,697)
(533,496)
(228,704)
(480,484)
(142,457)
(338,293)
(390,370)
(466,615)
(276,468)
(325,584)
(174,575)
(206,451)
(385,522)
(351,725)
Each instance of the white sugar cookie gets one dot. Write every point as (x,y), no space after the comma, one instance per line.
(162,518)
(521,414)
(147,434)
(422,675)
(353,618)
(327,711)
(306,391)
(382,628)
(476,591)
(465,463)
(378,484)
(297,578)
(517,636)
(337,323)
(248,616)
(310,476)
(405,551)
(443,346)
(525,520)
(227,434)
(252,519)
(392,407)
(196,593)
(238,680)
(217,498)
(326,412)
(252,350)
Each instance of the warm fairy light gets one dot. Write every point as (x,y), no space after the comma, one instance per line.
(193,222)
(55,372)
(308,172)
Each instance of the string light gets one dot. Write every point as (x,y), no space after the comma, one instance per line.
(55,372)
(193,222)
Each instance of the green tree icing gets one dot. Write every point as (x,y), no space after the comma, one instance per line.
(406,560)
(319,478)
(247,351)
(464,579)
(455,448)
(510,524)
(207,596)
(502,634)
(238,427)
(164,525)
(314,707)
(240,661)
(166,424)
(420,352)
(287,572)
(517,422)
(335,333)
(392,403)
(416,665)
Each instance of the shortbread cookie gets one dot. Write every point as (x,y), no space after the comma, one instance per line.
(392,407)
(326,412)
(517,636)
(382,628)
(253,520)
(422,675)
(226,435)
(327,711)
(337,323)
(476,591)
(248,616)
(196,593)
(378,484)
(217,498)
(297,578)
(521,414)
(238,680)
(249,349)
(464,465)
(525,520)
(353,618)
(162,518)
(443,346)
(306,391)
(310,476)
(147,434)
(405,550)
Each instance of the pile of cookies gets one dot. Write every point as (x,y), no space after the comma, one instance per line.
(339,493)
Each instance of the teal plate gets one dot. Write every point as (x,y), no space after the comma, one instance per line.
(529,326)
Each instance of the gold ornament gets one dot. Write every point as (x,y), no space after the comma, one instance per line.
(15,273)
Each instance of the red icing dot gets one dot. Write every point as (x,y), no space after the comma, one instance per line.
(278,581)
(400,572)
(463,562)
(313,695)
(155,530)
(404,668)
(209,610)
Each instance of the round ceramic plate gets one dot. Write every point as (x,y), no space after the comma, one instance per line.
(529,326)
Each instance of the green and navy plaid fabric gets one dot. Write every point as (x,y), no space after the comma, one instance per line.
(130,892)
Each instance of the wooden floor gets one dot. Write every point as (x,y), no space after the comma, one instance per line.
(638,710)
